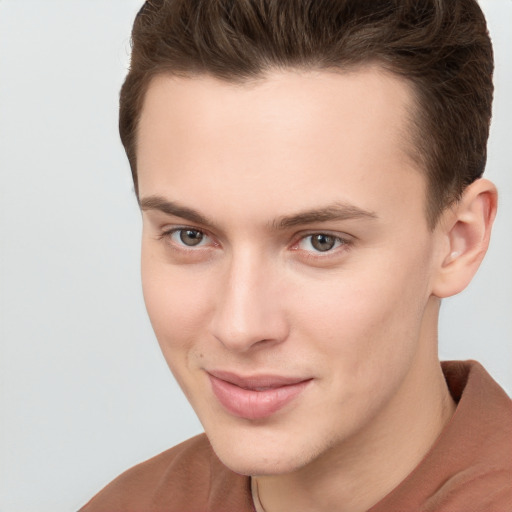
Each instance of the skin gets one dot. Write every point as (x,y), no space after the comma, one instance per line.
(256,297)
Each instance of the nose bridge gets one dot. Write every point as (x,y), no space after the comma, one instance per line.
(248,309)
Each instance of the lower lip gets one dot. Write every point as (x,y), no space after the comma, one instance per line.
(254,405)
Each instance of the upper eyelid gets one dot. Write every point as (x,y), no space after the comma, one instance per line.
(343,242)
(174,229)
(344,237)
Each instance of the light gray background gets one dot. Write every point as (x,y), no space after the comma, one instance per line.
(84,391)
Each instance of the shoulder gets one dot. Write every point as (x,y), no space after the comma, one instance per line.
(470,465)
(481,439)
(185,477)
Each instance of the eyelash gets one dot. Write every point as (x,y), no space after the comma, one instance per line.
(318,257)
(167,236)
(343,244)
(340,241)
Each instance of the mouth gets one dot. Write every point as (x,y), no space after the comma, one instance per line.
(255,397)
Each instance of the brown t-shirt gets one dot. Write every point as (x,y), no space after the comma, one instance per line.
(468,469)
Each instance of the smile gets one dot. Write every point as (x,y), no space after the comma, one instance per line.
(255,397)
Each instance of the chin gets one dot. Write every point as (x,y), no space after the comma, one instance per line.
(260,457)
(260,465)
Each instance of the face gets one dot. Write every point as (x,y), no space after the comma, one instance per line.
(286,257)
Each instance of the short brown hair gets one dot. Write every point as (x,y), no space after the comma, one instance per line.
(441,47)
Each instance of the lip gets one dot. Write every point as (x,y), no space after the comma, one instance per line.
(256,396)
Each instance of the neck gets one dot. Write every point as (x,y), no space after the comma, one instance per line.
(356,474)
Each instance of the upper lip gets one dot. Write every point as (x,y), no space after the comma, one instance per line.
(259,381)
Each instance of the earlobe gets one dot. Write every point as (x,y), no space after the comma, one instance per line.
(466,231)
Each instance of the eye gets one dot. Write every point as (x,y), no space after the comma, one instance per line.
(188,237)
(320,242)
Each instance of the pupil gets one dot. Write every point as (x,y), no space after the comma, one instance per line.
(190,236)
(322,242)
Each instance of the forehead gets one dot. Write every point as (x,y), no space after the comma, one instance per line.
(289,137)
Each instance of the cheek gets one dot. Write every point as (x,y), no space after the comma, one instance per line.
(176,302)
(368,317)
(177,306)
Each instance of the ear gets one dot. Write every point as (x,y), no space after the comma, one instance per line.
(465,231)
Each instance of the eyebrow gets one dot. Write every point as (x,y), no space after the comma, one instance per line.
(172,208)
(333,212)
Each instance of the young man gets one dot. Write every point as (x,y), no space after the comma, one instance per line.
(309,175)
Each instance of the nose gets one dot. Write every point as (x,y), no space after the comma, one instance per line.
(249,310)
